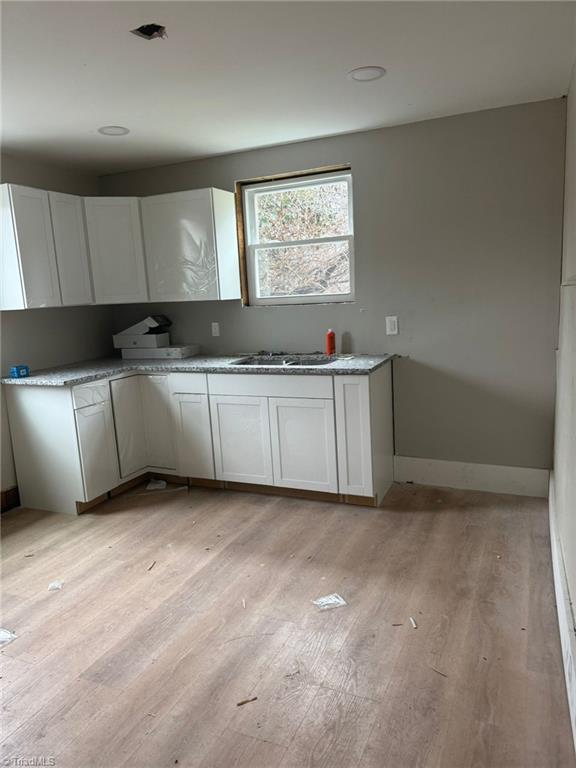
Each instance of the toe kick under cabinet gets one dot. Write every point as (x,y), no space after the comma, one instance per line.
(319,433)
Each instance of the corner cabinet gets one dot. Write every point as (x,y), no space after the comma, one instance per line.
(190,245)
(116,250)
(143,421)
(29,275)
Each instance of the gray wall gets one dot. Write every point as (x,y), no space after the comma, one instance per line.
(46,337)
(458,232)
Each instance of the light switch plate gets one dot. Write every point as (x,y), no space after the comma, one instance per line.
(215,329)
(391,325)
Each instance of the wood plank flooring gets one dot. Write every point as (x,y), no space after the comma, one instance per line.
(179,604)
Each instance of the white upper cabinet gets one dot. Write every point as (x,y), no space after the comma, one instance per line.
(191,247)
(71,248)
(116,252)
(29,276)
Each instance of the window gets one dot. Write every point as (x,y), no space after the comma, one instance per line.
(298,239)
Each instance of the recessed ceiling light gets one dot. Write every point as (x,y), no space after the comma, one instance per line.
(365,74)
(113,130)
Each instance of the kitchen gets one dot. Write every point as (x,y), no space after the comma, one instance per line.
(439,214)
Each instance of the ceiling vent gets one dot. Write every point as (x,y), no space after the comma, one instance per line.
(150,31)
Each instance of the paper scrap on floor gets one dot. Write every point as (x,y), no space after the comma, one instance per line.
(54,585)
(6,636)
(156,485)
(328,602)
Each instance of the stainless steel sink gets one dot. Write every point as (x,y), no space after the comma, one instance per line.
(284,361)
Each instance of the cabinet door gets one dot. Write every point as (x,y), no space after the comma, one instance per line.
(95,430)
(352,398)
(303,443)
(158,421)
(71,248)
(193,436)
(33,229)
(129,421)
(116,252)
(180,248)
(241,433)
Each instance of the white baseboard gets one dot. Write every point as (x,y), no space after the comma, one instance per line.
(565,613)
(476,477)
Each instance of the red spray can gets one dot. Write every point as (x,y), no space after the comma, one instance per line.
(330,342)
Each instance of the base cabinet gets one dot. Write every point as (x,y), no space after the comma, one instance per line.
(194,456)
(303,443)
(241,432)
(95,429)
(330,434)
(143,421)
(158,425)
(129,422)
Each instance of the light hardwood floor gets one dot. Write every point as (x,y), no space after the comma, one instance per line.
(178,605)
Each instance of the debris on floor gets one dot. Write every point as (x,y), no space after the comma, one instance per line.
(397,625)
(156,485)
(290,675)
(152,564)
(6,636)
(55,585)
(30,555)
(329,601)
(413,622)
(243,603)
(246,701)
(438,671)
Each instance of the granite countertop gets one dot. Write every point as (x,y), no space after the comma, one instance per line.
(92,370)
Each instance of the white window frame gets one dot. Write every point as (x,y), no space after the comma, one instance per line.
(249,193)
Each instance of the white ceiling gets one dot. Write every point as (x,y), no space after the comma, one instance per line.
(237,75)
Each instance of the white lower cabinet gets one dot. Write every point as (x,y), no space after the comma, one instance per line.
(95,430)
(241,433)
(320,433)
(194,456)
(303,443)
(158,425)
(143,420)
(129,421)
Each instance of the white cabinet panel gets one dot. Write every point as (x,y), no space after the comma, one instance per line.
(116,251)
(241,434)
(95,429)
(130,428)
(71,248)
(352,399)
(193,436)
(191,249)
(158,421)
(29,272)
(303,443)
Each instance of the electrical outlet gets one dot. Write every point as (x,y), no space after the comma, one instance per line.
(215,329)
(391,325)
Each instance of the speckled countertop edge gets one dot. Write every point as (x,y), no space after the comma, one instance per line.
(92,370)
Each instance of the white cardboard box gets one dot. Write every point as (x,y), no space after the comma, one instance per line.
(145,340)
(162,353)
